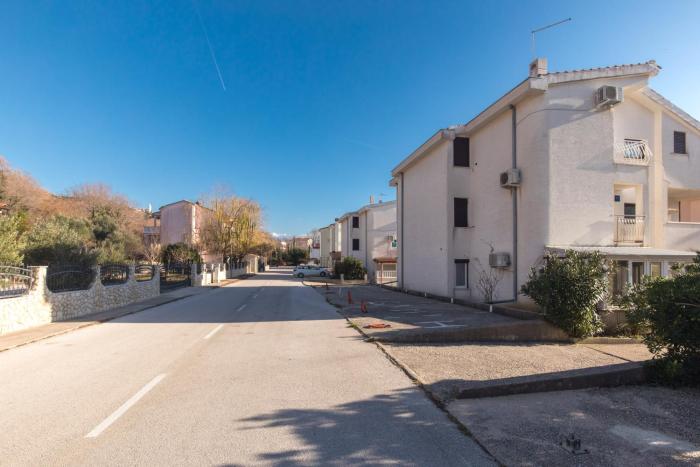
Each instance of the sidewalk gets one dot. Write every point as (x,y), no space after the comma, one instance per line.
(26,336)
(414,319)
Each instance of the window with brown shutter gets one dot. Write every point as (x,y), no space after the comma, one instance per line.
(461,212)
(679,142)
(461,152)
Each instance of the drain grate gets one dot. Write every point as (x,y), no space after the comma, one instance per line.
(572,444)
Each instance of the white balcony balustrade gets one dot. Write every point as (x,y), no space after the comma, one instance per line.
(633,152)
(629,229)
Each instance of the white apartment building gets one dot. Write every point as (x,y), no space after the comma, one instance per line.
(369,234)
(584,159)
(330,245)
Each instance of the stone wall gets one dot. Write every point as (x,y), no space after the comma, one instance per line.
(41,306)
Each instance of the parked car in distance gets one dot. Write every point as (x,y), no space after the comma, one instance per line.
(302,271)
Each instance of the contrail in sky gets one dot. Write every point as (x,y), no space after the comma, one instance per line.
(211,49)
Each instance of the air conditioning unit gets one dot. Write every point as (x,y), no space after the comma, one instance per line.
(499,260)
(510,178)
(607,96)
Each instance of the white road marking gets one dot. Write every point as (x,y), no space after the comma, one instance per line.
(240,308)
(214,331)
(126,406)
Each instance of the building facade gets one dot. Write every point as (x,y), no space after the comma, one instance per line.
(369,234)
(587,159)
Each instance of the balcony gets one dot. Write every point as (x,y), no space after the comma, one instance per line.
(629,229)
(633,152)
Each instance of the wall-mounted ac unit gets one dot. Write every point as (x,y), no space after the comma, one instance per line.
(607,96)
(499,260)
(510,178)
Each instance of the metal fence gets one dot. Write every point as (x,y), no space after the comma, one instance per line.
(144,272)
(173,275)
(15,281)
(69,277)
(114,274)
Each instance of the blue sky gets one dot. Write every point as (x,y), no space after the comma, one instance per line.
(322,98)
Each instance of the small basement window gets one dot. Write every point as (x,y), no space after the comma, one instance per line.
(460,149)
(679,146)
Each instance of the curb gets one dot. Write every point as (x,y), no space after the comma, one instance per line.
(84,324)
(632,373)
(413,376)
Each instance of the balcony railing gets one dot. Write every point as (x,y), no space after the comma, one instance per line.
(629,229)
(633,151)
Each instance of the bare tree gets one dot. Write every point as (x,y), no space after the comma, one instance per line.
(232,227)
(488,280)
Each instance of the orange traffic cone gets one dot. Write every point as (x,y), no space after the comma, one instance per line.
(349,298)
(363,307)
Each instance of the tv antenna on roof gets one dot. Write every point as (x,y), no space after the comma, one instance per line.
(535,31)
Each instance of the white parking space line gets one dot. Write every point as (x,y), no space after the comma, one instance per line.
(214,331)
(240,308)
(126,406)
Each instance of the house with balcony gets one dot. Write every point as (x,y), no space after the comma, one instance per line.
(369,234)
(590,159)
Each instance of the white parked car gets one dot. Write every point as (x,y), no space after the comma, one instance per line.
(310,270)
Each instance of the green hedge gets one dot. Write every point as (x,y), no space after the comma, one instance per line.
(351,268)
(568,288)
(667,311)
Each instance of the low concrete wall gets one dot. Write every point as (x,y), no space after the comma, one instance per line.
(41,306)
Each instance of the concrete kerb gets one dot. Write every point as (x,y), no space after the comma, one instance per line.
(415,379)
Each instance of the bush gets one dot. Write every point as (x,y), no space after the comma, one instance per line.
(668,311)
(11,239)
(351,268)
(59,240)
(180,253)
(568,289)
(295,256)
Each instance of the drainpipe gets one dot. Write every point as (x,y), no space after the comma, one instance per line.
(401,240)
(514,194)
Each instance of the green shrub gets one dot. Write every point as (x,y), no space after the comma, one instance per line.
(295,256)
(11,239)
(180,253)
(668,310)
(59,240)
(568,288)
(351,268)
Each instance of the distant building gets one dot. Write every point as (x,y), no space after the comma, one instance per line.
(181,222)
(369,234)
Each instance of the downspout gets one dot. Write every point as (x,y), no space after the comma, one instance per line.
(401,240)
(514,194)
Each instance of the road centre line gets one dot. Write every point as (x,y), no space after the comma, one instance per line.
(124,407)
(214,331)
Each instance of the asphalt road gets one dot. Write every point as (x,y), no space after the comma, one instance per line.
(260,372)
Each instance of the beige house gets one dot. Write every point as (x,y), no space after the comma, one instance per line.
(182,222)
(584,159)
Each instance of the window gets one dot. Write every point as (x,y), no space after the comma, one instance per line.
(621,277)
(679,142)
(637,272)
(460,150)
(461,212)
(355,244)
(461,273)
(630,210)
(355,222)
(655,269)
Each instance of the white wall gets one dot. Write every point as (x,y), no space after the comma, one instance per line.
(423,241)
